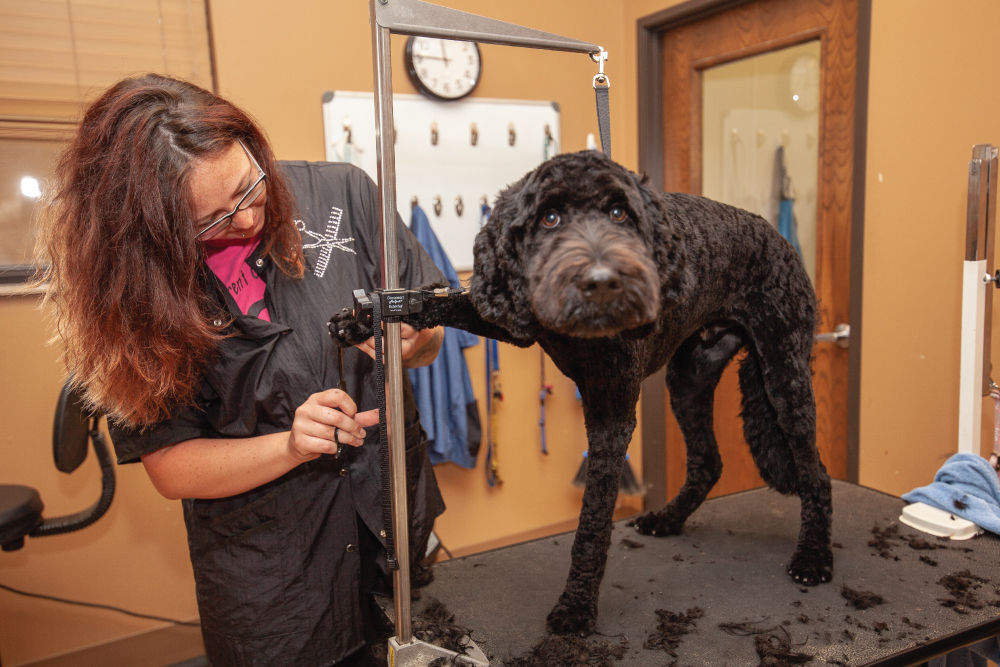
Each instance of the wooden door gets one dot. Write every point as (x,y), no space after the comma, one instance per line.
(688,51)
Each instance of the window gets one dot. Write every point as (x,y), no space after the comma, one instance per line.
(55,57)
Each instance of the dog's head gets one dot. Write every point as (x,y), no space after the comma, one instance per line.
(579,246)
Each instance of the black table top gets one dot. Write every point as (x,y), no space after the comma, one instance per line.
(722,586)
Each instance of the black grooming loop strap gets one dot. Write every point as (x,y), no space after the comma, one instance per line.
(390,305)
(383,438)
(602,85)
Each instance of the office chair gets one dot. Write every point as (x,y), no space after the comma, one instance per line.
(21,506)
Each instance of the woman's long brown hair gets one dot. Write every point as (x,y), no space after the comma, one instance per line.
(126,277)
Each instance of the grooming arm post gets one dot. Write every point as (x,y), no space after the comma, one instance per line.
(414,17)
(386,171)
(974,378)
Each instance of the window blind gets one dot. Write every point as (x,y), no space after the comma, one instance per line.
(57,55)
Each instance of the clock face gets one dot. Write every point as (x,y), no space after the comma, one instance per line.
(443,68)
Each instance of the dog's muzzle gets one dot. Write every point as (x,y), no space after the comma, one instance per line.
(593,278)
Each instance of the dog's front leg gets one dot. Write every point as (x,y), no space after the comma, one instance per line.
(576,611)
(349,328)
(457,311)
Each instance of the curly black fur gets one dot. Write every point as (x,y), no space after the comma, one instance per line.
(614,280)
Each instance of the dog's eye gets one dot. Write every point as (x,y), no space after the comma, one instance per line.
(618,214)
(550,218)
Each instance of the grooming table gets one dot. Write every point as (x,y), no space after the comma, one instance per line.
(730,564)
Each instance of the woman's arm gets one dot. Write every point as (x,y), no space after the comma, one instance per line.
(222,467)
(419,346)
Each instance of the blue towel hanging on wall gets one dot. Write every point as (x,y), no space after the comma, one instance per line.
(448,409)
(787,225)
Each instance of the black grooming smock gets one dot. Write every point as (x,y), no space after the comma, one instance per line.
(281,571)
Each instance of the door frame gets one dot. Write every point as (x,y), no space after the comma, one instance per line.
(650,30)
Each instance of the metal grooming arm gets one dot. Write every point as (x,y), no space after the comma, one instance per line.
(977,273)
(413,17)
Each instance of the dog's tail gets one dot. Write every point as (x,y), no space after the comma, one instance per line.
(768,442)
(628,484)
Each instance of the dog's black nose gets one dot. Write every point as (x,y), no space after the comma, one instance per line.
(601,284)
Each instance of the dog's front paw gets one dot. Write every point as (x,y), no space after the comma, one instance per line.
(811,565)
(572,619)
(657,524)
(346,330)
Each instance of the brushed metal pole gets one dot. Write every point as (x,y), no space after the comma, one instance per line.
(415,17)
(386,170)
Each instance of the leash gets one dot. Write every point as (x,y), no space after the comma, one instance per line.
(493,392)
(546,390)
(494,396)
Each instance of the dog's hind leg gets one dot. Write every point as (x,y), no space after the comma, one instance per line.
(692,376)
(783,445)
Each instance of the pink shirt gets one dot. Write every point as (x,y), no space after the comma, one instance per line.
(228,260)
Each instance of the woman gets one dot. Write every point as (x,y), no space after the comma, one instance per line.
(192,277)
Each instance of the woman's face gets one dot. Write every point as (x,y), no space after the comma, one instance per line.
(218,183)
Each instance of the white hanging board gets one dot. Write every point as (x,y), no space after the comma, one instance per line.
(453,168)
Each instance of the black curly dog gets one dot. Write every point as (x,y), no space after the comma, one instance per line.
(614,280)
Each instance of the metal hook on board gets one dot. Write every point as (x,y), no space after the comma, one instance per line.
(549,147)
(437,205)
(459,206)
(511,135)
(414,202)
(474,135)
(434,133)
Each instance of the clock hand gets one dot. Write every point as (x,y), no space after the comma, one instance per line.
(444,53)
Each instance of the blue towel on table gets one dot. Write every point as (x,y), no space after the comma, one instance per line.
(971,482)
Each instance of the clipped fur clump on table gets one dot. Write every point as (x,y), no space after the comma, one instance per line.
(614,280)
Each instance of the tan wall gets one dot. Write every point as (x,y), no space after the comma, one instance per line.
(135,557)
(930,100)
(928,105)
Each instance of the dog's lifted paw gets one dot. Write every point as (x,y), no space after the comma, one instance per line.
(348,331)
(657,524)
(569,619)
(811,566)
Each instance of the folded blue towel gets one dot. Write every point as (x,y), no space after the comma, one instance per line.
(967,486)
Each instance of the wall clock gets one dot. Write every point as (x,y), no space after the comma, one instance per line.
(443,69)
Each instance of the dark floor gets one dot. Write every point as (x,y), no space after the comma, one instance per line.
(723,590)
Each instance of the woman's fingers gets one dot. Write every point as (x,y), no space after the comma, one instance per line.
(326,422)
(367,418)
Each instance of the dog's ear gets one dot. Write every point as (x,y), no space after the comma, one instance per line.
(499,289)
(667,243)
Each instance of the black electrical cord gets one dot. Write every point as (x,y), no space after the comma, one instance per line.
(96,605)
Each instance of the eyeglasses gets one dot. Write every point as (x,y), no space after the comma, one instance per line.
(217,226)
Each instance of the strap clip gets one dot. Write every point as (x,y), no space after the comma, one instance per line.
(600,79)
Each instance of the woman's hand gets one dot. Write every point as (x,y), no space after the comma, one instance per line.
(419,347)
(223,467)
(327,421)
